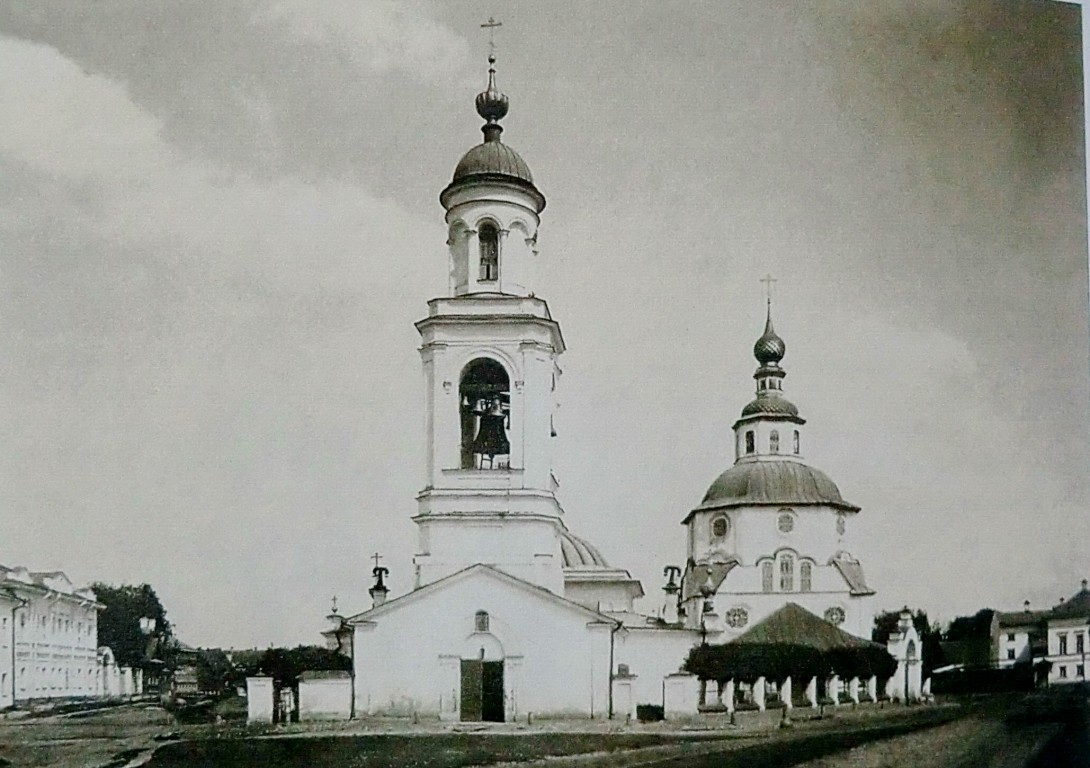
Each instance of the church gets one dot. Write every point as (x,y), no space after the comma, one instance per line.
(511,613)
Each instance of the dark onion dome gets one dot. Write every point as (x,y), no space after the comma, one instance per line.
(770,348)
(492,160)
(780,483)
(771,405)
(579,553)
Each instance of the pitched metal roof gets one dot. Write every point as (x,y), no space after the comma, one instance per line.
(782,481)
(1075,607)
(852,572)
(794,625)
(579,553)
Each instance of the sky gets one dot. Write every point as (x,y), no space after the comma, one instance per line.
(219,221)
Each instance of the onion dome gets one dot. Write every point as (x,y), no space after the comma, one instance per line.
(787,483)
(492,161)
(770,348)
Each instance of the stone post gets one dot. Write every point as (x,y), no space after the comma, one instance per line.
(759,693)
(872,688)
(811,692)
(834,689)
(853,690)
(785,694)
(927,690)
(728,694)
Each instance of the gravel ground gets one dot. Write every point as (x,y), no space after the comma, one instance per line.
(968,743)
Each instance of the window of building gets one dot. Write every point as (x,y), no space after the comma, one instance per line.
(774,442)
(485,396)
(720,526)
(796,441)
(480,621)
(1063,671)
(806,577)
(1010,637)
(1010,654)
(489,238)
(623,670)
(1062,639)
(1080,643)
(749,442)
(1080,670)
(766,576)
(787,573)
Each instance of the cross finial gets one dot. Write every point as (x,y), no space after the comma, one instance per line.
(768,280)
(376,557)
(491,26)
(334,604)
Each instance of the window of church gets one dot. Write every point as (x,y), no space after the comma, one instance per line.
(806,574)
(485,398)
(835,615)
(796,441)
(489,238)
(787,573)
(766,576)
(480,621)
(774,442)
(720,526)
(785,523)
(749,442)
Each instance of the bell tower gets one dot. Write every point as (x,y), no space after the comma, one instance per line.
(489,350)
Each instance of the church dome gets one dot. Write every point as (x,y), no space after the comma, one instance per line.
(773,482)
(770,348)
(492,158)
(771,405)
(579,553)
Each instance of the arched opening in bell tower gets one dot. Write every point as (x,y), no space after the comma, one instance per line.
(485,397)
(489,238)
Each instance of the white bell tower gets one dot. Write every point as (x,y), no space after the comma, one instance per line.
(489,351)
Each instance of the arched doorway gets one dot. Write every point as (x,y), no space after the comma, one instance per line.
(485,397)
(482,675)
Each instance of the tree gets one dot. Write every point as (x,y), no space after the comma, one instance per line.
(119,623)
(285,665)
(975,627)
(214,670)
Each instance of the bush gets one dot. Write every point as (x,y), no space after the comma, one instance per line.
(649,713)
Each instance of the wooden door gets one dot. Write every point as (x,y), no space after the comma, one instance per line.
(492,691)
(472,678)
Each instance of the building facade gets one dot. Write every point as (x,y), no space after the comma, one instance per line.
(771,529)
(512,613)
(48,638)
(1059,636)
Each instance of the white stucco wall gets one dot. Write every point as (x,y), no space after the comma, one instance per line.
(556,658)
(651,654)
(327,699)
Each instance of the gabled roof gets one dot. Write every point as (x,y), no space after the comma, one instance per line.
(699,574)
(1020,618)
(852,572)
(496,573)
(794,625)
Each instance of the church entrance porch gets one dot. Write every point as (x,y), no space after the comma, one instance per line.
(482,691)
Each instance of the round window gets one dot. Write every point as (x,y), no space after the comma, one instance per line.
(720,526)
(737,618)
(834,615)
(786,522)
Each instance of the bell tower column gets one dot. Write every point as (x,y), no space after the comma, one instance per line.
(489,351)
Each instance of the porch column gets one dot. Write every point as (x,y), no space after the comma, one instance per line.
(759,693)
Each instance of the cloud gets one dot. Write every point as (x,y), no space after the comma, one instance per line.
(380,34)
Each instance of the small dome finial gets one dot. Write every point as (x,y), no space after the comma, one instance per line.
(492,103)
(770,348)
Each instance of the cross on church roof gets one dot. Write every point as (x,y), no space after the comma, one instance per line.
(376,557)
(334,604)
(491,26)
(768,280)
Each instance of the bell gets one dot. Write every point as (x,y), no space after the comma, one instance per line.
(491,439)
